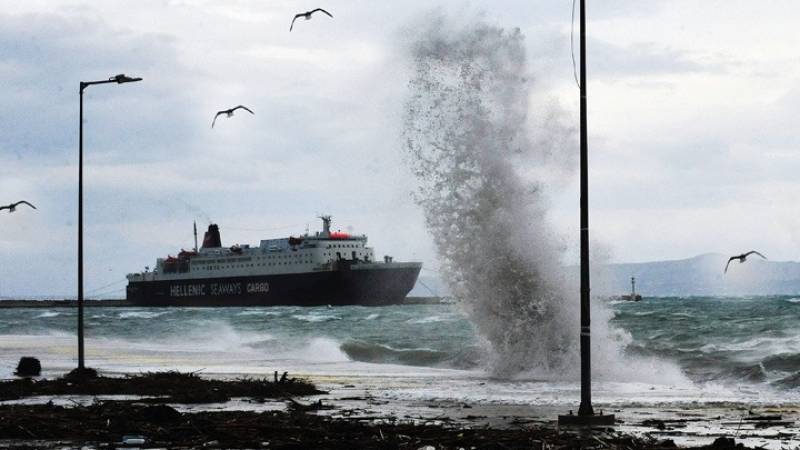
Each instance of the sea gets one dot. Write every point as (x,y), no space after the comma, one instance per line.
(731,350)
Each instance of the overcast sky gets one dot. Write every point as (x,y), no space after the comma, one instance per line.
(692,116)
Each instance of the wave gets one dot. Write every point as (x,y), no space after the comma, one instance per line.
(430,319)
(315,318)
(141,314)
(793,300)
(363,351)
(372,316)
(47,314)
(258,312)
(789,382)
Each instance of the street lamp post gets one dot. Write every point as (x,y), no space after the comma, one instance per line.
(586,415)
(119,79)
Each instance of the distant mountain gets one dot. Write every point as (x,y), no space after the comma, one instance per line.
(700,275)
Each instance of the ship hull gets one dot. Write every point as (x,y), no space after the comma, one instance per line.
(365,284)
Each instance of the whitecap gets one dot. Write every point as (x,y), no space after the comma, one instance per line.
(258,312)
(141,314)
(314,318)
(47,314)
(430,319)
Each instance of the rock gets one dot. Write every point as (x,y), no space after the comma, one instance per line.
(28,366)
(160,414)
(81,374)
(723,443)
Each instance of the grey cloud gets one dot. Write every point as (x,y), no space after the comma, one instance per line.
(609,62)
(44,56)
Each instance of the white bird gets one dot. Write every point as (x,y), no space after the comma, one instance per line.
(307,16)
(229,113)
(13,207)
(742,258)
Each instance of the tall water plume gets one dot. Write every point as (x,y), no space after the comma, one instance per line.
(486,158)
(482,164)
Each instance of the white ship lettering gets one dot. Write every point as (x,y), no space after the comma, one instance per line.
(226,288)
(258,287)
(187,290)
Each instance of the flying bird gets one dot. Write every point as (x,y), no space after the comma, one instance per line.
(307,16)
(229,113)
(742,258)
(13,207)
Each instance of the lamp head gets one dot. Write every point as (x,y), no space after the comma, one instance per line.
(122,78)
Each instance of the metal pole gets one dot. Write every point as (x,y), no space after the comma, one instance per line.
(585,408)
(80,233)
(586,415)
(119,79)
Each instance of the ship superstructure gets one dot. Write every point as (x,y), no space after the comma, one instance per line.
(328,267)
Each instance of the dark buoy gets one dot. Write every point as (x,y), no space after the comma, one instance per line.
(28,366)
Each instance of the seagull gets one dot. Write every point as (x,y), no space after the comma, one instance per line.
(307,15)
(742,258)
(13,207)
(229,113)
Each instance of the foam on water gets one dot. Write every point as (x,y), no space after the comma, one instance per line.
(315,317)
(430,319)
(142,314)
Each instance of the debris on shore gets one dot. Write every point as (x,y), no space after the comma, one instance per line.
(171,386)
(162,426)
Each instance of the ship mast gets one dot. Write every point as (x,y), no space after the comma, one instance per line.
(195,236)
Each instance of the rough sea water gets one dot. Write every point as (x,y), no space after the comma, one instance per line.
(728,349)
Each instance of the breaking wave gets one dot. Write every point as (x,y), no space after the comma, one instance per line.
(363,351)
(142,314)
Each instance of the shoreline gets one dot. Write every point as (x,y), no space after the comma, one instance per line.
(152,410)
(351,414)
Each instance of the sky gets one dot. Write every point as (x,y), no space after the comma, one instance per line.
(692,140)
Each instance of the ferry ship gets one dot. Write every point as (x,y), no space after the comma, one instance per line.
(325,268)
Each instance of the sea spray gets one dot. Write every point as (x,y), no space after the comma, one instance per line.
(471,145)
(486,160)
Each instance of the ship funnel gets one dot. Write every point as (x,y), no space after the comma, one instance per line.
(212,239)
(326,224)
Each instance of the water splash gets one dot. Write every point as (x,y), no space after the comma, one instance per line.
(485,158)
(471,142)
